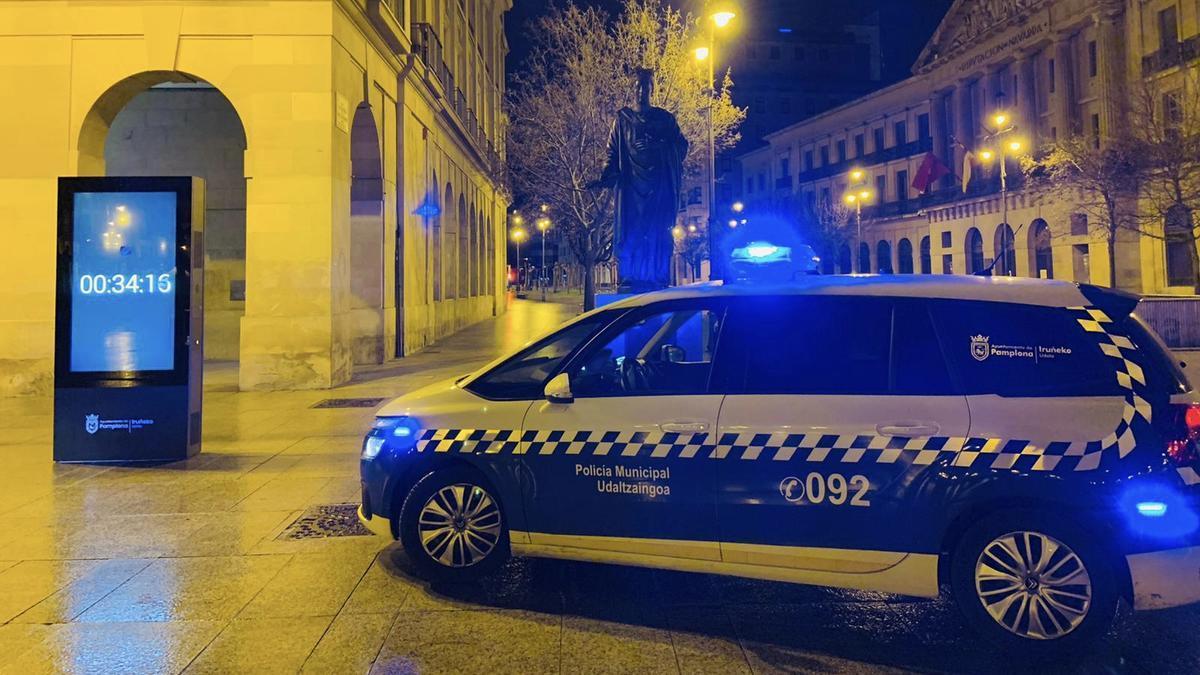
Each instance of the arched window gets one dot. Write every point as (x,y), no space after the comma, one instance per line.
(1006,252)
(844,266)
(1039,244)
(904,253)
(1181,270)
(864,258)
(974,251)
(926,256)
(827,263)
(883,257)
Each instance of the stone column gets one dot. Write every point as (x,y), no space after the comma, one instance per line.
(1064,87)
(1027,108)
(964,123)
(1112,68)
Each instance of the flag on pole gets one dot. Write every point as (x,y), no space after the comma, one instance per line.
(968,159)
(930,172)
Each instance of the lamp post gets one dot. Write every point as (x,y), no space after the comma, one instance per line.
(719,17)
(1002,130)
(543,224)
(518,235)
(858,193)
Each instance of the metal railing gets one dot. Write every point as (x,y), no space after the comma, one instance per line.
(1172,54)
(911,149)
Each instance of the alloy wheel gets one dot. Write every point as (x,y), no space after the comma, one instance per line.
(459,525)
(1033,585)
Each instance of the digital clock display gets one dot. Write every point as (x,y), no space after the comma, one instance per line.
(123,282)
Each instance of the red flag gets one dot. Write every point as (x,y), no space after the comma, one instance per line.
(930,172)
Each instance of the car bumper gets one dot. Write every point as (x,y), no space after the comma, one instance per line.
(1164,579)
(377,524)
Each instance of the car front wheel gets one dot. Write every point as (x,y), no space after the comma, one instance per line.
(452,526)
(1033,583)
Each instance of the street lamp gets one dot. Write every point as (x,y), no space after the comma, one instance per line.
(518,235)
(719,15)
(1002,130)
(857,194)
(543,224)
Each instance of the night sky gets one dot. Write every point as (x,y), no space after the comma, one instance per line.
(908,24)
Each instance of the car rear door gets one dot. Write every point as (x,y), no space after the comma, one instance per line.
(621,468)
(839,408)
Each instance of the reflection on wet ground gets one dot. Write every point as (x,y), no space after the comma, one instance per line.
(161,569)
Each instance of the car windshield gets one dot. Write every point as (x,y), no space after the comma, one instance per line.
(524,376)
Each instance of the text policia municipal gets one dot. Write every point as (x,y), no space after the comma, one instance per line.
(620,479)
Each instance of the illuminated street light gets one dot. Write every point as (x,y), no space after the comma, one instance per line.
(691,228)
(986,155)
(856,175)
(733,222)
(722,19)
(543,224)
(1003,125)
(1014,146)
(518,235)
(517,219)
(851,198)
(856,194)
(677,231)
(544,208)
(738,206)
(701,53)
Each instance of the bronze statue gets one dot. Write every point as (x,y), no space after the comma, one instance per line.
(645,168)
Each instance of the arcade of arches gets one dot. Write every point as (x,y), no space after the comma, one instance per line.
(354,209)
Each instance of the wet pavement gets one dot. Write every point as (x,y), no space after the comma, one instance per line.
(182,567)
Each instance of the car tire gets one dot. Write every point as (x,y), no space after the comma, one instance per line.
(1035,585)
(452,526)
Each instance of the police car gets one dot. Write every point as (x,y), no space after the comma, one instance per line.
(1029,444)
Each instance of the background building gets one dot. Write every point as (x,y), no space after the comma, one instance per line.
(1062,67)
(352,149)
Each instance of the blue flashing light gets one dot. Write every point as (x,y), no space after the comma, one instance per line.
(761,250)
(1152,509)
(400,433)
(785,30)
(428,209)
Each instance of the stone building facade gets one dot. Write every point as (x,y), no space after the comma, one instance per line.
(353,152)
(1057,67)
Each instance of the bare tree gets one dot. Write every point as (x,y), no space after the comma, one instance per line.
(566,97)
(1100,178)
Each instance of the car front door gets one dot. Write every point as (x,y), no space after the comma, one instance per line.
(840,404)
(622,467)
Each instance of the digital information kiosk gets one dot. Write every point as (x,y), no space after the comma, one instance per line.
(129,317)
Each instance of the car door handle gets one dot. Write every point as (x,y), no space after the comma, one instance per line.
(908,429)
(684,426)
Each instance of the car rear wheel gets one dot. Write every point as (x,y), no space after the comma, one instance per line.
(1033,583)
(452,526)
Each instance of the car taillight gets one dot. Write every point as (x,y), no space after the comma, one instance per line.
(1184,446)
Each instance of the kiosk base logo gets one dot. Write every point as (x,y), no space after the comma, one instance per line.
(980,349)
(91,423)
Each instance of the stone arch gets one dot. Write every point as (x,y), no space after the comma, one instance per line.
(926,256)
(904,253)
(461,253)
(366,239)
(1040,252)
(1004,244)
(974,250)
(883,256)
(844,264)
(864,258)
(439,267)
(205,136)
(473,242)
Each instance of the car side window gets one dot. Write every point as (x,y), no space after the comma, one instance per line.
(814,344)
(1011,349)
(524,376)
(651,353)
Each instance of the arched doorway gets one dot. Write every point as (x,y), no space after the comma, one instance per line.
(974,251)
(366,240)
(463,288)
(1179,244)
(926,256)
(170,123)
(883,257)
(844,266)
(1040,250)
(1006,252)
(864,258)
(904,254)
(439,280)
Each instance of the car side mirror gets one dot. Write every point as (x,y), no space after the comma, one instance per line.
(558,389)
(672,354)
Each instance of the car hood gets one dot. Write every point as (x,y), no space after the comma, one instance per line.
(431,397)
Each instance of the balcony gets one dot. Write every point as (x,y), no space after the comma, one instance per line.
(1171,55)
(428,47)
(910,149)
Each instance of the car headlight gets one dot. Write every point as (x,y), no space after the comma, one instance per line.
(397,432)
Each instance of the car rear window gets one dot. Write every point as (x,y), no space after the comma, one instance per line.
(1021,350)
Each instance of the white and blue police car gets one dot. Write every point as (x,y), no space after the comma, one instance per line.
(1031,445)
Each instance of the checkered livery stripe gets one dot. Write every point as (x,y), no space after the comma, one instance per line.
(994,453)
